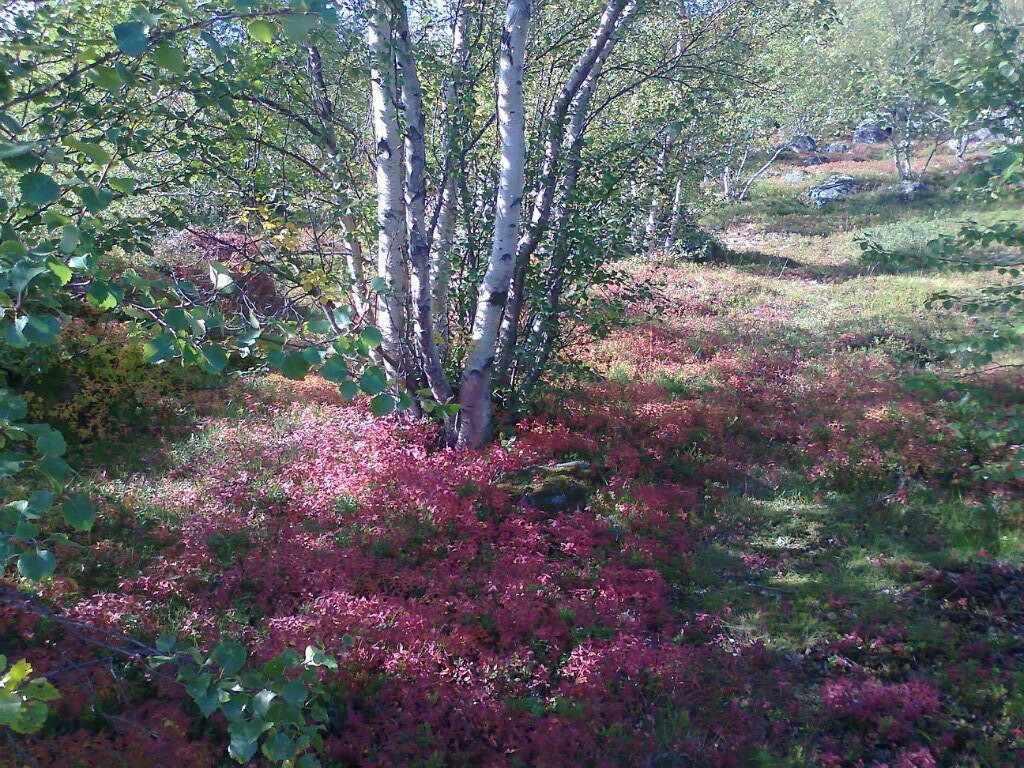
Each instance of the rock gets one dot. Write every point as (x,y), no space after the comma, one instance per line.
(554,488)
(816,160)
(803,144)
(869,131)
(796,177)
(982,134)
(913,190)
(833,188)
(837,147)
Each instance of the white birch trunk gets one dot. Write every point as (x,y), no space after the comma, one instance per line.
(391,318)
(324,108)
(415,210)
(444,223)
(544,328)
(356,264)
(675,218)
(547,181)
(475,393)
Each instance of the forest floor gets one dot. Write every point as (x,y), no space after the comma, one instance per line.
(797,546)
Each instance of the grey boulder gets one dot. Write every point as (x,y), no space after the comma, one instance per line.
(835,187)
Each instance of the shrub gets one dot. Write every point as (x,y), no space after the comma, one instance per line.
(96,384)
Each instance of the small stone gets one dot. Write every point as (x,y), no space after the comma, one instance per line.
(803,144)
(869,131)
(913,190)
(833,188)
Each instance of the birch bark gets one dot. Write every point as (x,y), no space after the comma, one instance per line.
(474,426)
(391,316)
(544,327)
(444,220)
(415,209)
(547,180)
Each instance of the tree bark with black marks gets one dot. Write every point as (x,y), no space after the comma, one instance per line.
(474,424)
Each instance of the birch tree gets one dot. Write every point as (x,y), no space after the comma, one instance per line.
(475,394)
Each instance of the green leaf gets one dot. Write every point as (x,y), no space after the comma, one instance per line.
(320,325)
(105,77)
(14,333)
(14,248)
(22,275)
(41,690)
(38,504)
(298,26)
(242,749)
(279,747)
(159,350)
(55,468)
(123,184)
(294,692)
(230,656)
(94,198)
(212,358)
(78,511)
(313,355)
(42,330)
(132,37)
(100,296)
(349,389)
(10,708)
(178,319)
(383,404)
(295,366)
(15,149)
(90,149)
(220,276)
(51,443)
(32,717)
(262,700)
(373,381)
(12,407)
(70,238)
(262,30)
(26,531)
(371,337)
(38,188)
(335,370)
(37,566)
(170,58)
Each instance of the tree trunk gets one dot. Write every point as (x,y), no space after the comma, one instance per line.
(547,180)
(655,211)
(443,231)
(391,317)
(544,327)
(676,215)
(324,107)
(474,424)
(355,262)
(415,210)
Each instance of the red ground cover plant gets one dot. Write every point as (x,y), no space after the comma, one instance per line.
(474,629)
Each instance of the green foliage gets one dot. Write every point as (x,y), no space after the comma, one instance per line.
(96,383)
(93,104)
(23,699)
(277,709)
(34,476)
